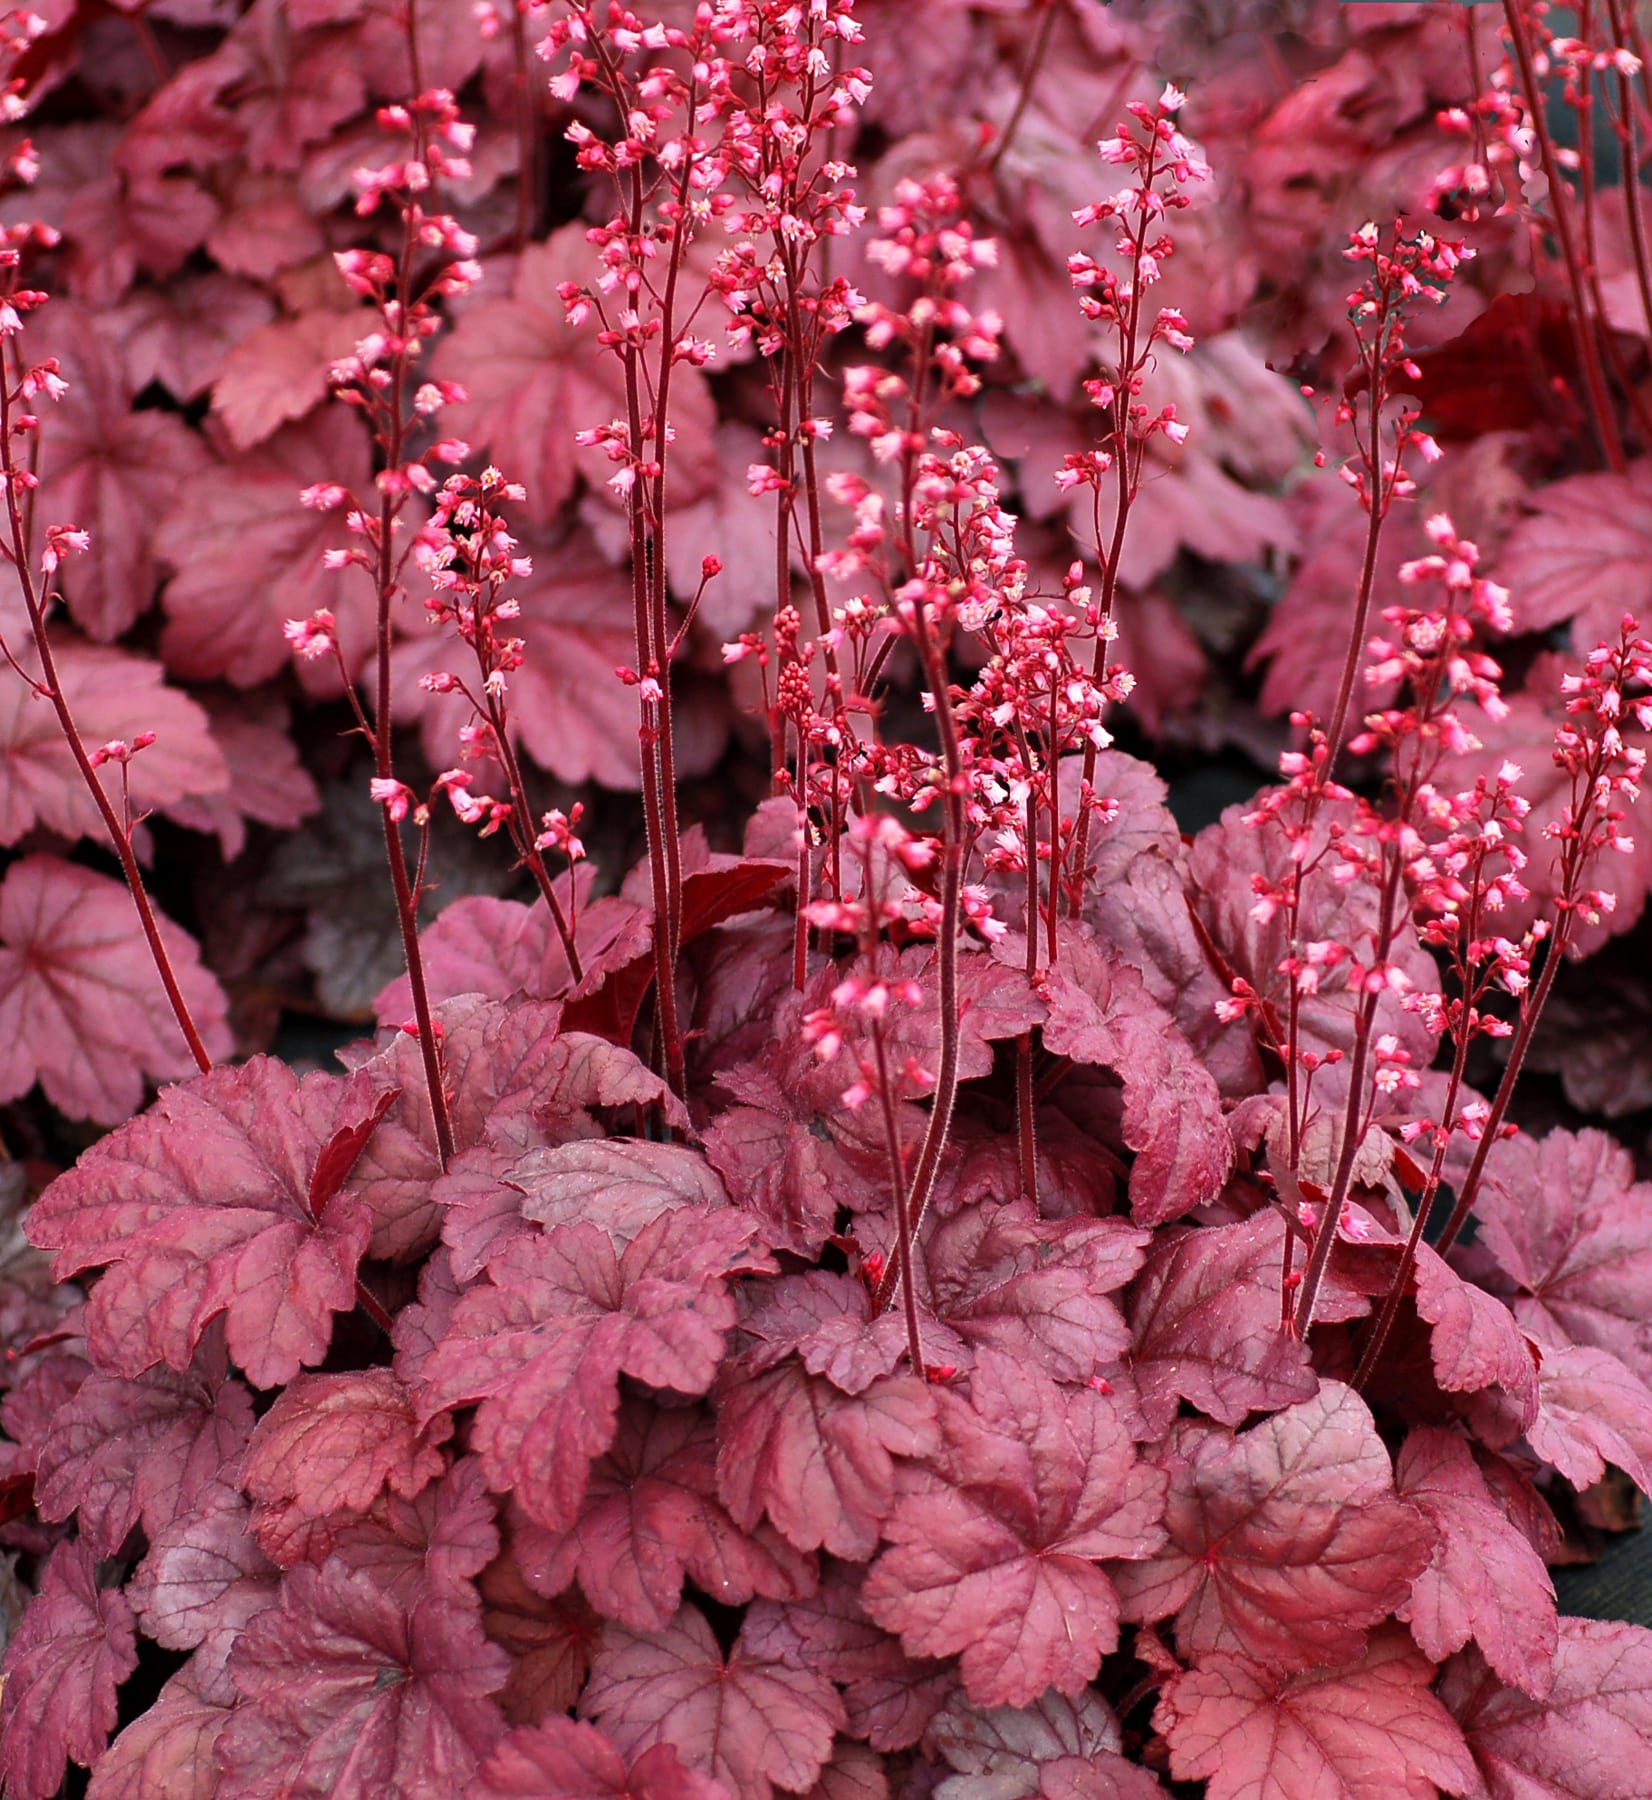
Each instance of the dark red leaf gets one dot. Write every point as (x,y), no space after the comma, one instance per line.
(73,1649)
(348,1693)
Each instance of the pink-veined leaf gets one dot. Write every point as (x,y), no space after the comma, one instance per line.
(123,1450)
(73,1649)
(113,697)
(201,1208)
(818,1461)
(542,1347)
(1204,1317)
(1286,1541)
(333,1443)
(348,1693)
(82,1008)
(751,1724)
(1566,1219)
(1484,1579)
(1588,1738)
(570,1760)
(1101,1012)
(1369,1730)
(995,1539)
(650,1518)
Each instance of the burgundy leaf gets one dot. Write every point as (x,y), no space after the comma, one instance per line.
(1016,1753)
(549,1641)
(204,1576)
(890,1698)
(822,1316)
(348,1693)
(1036,1289)
(621,1184)
(995,1541)
(267,782)
(818,1461)
(73,1649)
(855,1772)
(1588,1738)
(166,1752)
(200,1208)
(1204,1316)
(1286,1542)
(752,1725)
(543,1346)
(1484,1579)
(651,1516)
(1565,1218)
(1102,1013)
(563,1759)
(1475,1342)
(82,1008)
(1369,1730)
(333,1443)
(278,373)
(113,696)
(123,1450)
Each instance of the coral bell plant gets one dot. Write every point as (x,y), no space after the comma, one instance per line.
(822,945)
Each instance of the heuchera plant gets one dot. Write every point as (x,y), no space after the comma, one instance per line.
(893,1271)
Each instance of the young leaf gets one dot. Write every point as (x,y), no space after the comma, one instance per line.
(543,1346)
(1588,1738)
(1483,1580)
(567,1760)
(750,1724)
(200,1209)
(73,1649)
(1286,1542)
(1368,1730)
(995,1540)
(348,1693)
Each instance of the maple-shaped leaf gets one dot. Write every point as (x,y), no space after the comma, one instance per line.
(279,372)
(221,627)
(82,1009)
(855,1772)
(1587,1738)
(999,1276)
(1286,1541)
(112,696)
(752,1724)
(1054,1747)
(542,1347)
(1484,1580)
(890,1698)
(267,782)
(1368,1730)
(122,1450)
(995,1539)
(204,1575)
(73,1649)
(111,470)
(284,88)
(565,1759)
(1582,554)
(818,1461)
(549,1641)
(621,1184)
(179,335)
(1474,1341)
(1566,1219)
(333,1443)
(1100,1012)
(203,1207)
(349,1693)
(1204,1323)
(650,1518)
(1592,1410)
(166,1752)
(822,1316)
(533,380)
